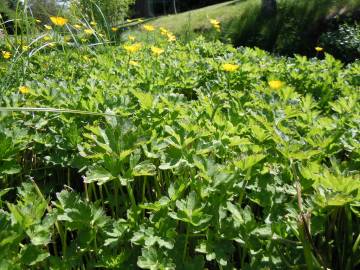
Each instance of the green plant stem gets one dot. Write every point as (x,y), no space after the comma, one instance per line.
(242,192)
(53,110)
(86,192)
(307,235)
(57,225)
(186,241)
(116,194)
(101,195)
(356,244)
(132,197)
(144,190)
(68,177)
(157,187)
(243,254)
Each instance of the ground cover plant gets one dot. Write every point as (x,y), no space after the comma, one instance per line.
(164,155)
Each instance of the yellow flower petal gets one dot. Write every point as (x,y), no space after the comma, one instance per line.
(275,84)
(134,63)
(47,38)
(229,67)
(163,31)
(59,21)
(318,49)
(171,37)
(132,48)
(24,89)
(25,48)
(89,31)
(157,51)
(6,54)
(149,27)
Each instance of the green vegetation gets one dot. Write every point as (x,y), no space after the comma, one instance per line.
(296,28)
(104,12)
(168,155)
(198,20)
(343,40)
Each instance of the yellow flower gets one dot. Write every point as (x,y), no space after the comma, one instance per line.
(275,84)
(24,89)
(214,22)
(114,29)
(25,48)
(67,38)
(318,49)
(37,20)
(47,38)
(149,27)
(229,67)
(77,26)
(93,23)
(132,48)
(48,27)
(89,31)
(171,37)
(130,37)
(134,63)
(163,31)
(59,21)
(6,54)
(157,51)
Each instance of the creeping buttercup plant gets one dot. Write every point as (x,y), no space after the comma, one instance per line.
(178,156)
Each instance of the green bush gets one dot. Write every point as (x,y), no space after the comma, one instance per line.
(343,42)
(295,28)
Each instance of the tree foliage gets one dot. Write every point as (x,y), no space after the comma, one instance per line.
(104,12)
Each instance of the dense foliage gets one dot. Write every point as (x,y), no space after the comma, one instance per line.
(343,41)
(164,155)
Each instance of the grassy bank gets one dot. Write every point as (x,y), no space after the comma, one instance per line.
(296,28)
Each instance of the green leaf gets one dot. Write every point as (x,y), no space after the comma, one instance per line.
(189,212)
(10,168)
(145,99)
(145,168)
(155,259)
(98,175)
(80,215)
(249,161)
(32,255)
(221,250)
